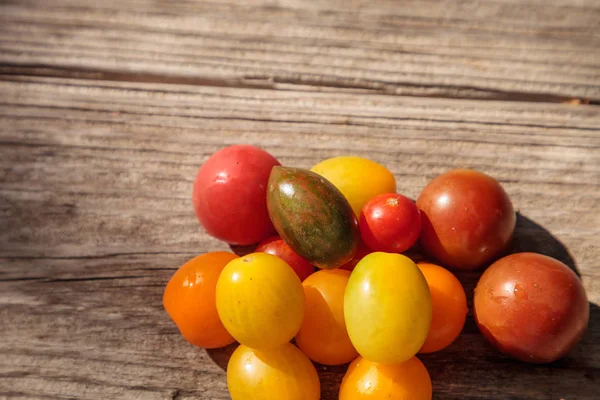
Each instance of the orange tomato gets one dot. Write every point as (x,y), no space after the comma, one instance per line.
(189,299)
(323,336)
(283,373)
(366,380)
(449,306)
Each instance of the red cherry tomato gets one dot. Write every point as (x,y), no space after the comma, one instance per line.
(531,307)
(230,194)
(468,219)
(363,250)
(276,246)
(390,222)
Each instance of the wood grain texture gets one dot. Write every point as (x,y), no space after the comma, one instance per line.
(107,109)
(502,49)
(95,215)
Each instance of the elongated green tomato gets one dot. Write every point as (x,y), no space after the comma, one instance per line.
(387,308)
(260,300)
(312,216)
(283,373)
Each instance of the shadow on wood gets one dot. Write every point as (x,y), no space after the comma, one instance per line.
(471,368)
(532,237)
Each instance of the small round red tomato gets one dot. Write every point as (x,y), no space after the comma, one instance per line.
(468,219)
(448,304)
(278,247)
(366,380)
(282,373)
(323,336)
(230,193)
(390,222)
(363,250)
(190,300)
(531,307)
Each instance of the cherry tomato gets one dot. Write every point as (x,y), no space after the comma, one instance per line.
(230,193)
(449,306)
(366,380)
(323,336)
(359,179)
(363,250)
(189,299)
(468,219)
(276,246)
(531,307)
(283,373)
(390,222)
(387,308)
(260,300)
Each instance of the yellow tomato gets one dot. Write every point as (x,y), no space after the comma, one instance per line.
(283,373)
(366,380)
(359,179)
(260,300)
(323,336)
(387,308)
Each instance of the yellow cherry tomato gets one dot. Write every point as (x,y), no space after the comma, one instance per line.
(359,179)
(283,373)
(387,308)
(449,304)
(260,300)
(366,380)
(323,336)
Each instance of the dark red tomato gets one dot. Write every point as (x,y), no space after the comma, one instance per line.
(230,194)
(468,219)
(531,307)
(362,251)
(390,222)
(276,246)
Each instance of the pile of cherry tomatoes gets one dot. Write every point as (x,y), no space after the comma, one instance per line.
(328,273)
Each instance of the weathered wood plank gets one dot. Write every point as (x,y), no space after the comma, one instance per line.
(95,215)
(542,51)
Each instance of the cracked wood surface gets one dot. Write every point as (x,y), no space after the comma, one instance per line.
(107,110)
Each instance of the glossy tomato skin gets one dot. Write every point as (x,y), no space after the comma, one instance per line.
(363,250)
(312,216)
(260,300)
(366,380)
(283,373)
(531,307)
(359,179)
(390,222)
(467,219)
(323,336)
(230,193)
(387,308)
(449,306)
(190,300)
(276,246)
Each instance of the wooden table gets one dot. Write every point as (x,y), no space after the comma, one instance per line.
(108,108)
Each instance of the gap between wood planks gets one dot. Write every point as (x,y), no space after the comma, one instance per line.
(275,83)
